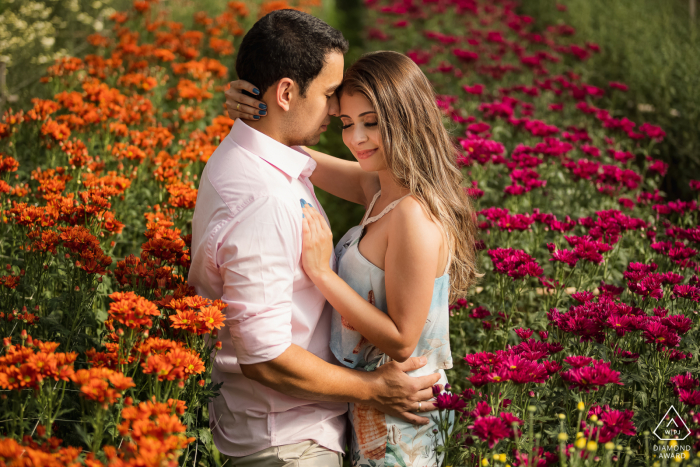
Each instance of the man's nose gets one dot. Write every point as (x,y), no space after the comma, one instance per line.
(334,106)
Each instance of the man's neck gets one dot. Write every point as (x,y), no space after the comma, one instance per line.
(271,130)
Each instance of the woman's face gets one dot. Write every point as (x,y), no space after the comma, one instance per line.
(361,132)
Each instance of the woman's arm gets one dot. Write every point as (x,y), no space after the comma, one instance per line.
(411,260)
(341,178)
(344,179)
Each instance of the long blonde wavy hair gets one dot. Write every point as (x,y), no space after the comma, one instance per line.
(419,152)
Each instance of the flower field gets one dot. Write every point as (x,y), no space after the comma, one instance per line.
(573,347)
(584,330)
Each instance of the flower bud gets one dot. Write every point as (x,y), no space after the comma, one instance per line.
(562,436)
(609,446)
(580,443)
(592,446)
(562,416)
(181,384)
(593,418)
(581,405)
(201,383)
(23,334)
(484,462)
(218,345)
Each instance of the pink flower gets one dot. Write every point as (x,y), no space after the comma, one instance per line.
(477,89)
(480,127)
(578,361)
(657,333)
(691,398)
(621,86)
(565,256)
(591,378)
(448,401)
(490,429)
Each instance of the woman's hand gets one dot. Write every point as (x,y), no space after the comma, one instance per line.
(249,108)
(317,243)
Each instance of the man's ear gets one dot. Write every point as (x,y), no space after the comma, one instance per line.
(285,92)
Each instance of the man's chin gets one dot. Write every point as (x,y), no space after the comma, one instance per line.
(310,141)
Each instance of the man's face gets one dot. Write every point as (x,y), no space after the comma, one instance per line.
(311,114)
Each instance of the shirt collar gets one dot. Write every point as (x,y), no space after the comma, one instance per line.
(293,161)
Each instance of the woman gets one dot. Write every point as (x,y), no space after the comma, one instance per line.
(392,290)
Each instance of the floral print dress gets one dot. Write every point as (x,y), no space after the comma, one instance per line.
(378,439)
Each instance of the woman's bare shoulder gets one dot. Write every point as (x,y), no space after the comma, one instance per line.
(410,217)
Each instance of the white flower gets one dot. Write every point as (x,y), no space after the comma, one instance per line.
(48,41)
(98,25)
(96,5)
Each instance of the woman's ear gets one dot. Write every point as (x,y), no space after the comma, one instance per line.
(285,91)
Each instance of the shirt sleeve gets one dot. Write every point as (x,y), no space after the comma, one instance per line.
(257,255)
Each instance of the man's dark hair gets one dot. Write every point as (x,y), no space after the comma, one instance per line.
(287,44)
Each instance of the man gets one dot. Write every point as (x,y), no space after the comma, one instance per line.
(284,396)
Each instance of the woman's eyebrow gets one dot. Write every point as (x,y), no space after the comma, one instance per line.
(361,115)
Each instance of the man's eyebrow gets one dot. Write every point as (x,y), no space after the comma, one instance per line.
(361,115)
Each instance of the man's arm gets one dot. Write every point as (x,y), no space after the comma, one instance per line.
(257,255)
(301,374)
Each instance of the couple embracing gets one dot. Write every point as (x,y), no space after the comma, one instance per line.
(316,337)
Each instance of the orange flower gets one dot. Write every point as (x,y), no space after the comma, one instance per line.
(8,164)
(211,317)
(132,310)
(184,320)
(95,384)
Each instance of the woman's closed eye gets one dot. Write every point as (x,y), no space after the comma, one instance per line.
(366,124)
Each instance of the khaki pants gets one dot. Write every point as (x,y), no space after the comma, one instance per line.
(305,454)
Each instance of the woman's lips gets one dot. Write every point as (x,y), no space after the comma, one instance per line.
(366,154)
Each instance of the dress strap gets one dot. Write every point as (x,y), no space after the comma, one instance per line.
(391,206)
(369,209)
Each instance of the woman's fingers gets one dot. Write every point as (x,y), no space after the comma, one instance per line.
(238,105)
(242,84)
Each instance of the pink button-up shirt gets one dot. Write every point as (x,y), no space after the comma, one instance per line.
(246,251)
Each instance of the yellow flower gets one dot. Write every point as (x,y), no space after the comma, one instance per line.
(581,405)
(580,443)
(673,442)
(484,462)
(594,418)
(592,446)
(562,436)
(609,446)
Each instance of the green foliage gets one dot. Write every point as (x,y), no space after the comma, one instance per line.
(652,46)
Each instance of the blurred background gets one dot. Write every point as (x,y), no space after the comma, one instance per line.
(653,46)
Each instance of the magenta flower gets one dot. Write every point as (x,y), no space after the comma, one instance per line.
(476,89)
(657,333)
(565,256)
(490,429)
(591,377)
(578,361)
(448,401)
(691,398)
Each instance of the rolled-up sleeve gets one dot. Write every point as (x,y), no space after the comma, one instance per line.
(257,253)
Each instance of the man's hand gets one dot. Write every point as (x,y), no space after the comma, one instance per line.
(249,108)
(398,394)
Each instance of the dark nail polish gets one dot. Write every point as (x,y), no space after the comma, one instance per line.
(256,117)
(256,91)
(263,112)
(302,201)
(263,106)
